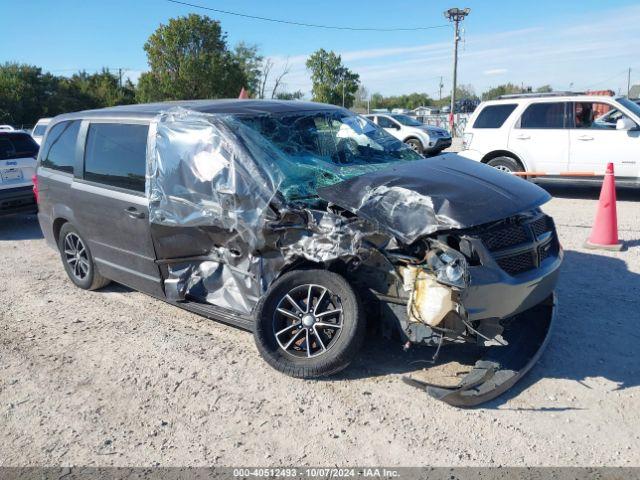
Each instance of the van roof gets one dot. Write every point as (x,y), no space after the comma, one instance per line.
(230,106)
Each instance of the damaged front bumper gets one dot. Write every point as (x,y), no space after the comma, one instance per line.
(501,367)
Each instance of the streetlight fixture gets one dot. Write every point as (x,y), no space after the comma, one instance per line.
(455,15)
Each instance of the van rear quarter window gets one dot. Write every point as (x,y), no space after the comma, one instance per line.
(494,116)
(59,148)
(115,155)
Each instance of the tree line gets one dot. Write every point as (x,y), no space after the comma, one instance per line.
(190,58)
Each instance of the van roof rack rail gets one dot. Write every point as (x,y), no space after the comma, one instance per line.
(545,94)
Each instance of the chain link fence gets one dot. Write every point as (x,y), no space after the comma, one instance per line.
(442,120)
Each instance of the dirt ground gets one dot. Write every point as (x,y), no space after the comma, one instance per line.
(117,378)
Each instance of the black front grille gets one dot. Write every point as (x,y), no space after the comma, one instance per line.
(514,246)
(515,264)
(504,237)
(541,226)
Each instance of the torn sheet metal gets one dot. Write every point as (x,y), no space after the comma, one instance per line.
(500,367)
(328,236)
(225,280)
(203,172)
(413,199)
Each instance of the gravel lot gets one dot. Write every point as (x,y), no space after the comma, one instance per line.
(118,378)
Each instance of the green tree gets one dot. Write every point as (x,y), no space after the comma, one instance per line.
(27,93)
(24,93)
(506,89)
(189,59)
(377,101)
(250,61)
(332,82)
(297,95)
(544,89)
(463,92)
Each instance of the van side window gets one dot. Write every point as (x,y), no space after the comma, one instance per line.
(115,155)
(545,115)
(59,149)
(494,116)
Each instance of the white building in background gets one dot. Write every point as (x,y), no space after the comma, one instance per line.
(424,111)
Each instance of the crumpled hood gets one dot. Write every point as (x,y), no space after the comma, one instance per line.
(412,199)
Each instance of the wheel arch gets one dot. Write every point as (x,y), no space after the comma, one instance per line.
(415,137)
(503,153)
(57,226)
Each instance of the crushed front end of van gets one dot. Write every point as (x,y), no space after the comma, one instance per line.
(440,250)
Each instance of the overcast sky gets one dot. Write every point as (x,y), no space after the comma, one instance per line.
(587,44)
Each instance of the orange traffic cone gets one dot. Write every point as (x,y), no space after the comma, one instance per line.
(243,94)
(604,234)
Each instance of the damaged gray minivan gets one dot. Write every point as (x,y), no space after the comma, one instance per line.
(301,222)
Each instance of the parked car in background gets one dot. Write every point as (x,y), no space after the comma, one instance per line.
(466,105)
(39,129)
(6,128)
(18,152)
(557,134)
(424,139)
(301,222)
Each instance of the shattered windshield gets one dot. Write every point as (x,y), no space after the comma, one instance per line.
(320,148)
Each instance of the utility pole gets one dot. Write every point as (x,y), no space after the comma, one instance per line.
(120,77)
(440,90)
(628,82)
(455,15)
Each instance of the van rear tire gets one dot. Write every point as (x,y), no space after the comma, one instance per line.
(78,261)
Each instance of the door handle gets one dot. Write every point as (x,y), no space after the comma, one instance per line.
(585,138)
(523,137)
(133,212)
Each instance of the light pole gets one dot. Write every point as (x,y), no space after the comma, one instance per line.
(455,15)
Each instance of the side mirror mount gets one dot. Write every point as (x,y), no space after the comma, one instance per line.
(625,123)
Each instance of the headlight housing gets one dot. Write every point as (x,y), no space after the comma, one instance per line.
(466,140)
(449,266)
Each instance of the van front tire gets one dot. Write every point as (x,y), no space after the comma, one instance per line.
(77,259)
(309,324)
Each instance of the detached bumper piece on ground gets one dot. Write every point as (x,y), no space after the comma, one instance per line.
(501,367)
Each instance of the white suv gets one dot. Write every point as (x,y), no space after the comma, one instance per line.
(557,136)
(18,152)
(39,129)
(420,137)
